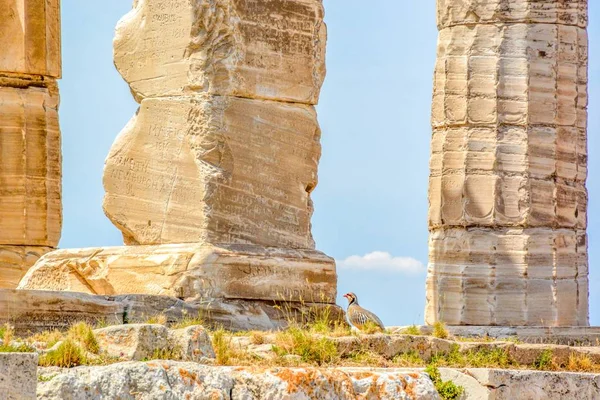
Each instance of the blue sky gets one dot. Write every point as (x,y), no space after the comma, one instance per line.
(374,113)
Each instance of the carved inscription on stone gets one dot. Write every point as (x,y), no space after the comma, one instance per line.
(214,169)
(268,50)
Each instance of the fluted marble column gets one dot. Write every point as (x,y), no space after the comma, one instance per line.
(508,202)
(30,170)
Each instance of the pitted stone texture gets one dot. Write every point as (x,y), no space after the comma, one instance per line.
(192,342)
(32,311)
(133,341)
(508,277)
(30,171)
(507,194)
(193,272)
(214,169)
(30,37)
(18,376)
(509,146)
(269,49)
(473,12)
(496,384)
(15,261)
(168,379)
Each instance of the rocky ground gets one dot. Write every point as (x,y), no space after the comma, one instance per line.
(151,360)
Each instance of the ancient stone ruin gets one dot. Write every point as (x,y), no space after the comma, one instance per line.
(507,194)
(210,181)
(30,162)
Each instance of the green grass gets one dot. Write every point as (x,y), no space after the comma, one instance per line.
(67,355)
(544,361)
(447,390)
(412,330)
(83,333)
(312,349)
(440,331)
(189,321)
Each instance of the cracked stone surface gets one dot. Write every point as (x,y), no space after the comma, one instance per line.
(168,379)
(189,271)
(225,146)
(507,194)
(497,384)
(30,154)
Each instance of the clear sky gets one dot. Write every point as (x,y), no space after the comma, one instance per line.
(371,202)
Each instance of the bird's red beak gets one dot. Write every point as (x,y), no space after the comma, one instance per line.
(346,295)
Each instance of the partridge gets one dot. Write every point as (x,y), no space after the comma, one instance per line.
(359,317)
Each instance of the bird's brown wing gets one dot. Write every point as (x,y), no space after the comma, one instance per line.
(374,318)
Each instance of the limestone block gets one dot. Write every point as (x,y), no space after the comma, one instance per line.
(231,314)
(30,37)
(15,261)
(30,170)
(140,380)
(31,311)
(213,169)
(18,376)
(133,341)
(471,12)
(267,50)
(193,342)
(499,384)
(193,272)
(508,277)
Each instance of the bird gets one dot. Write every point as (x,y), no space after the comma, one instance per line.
(359,317)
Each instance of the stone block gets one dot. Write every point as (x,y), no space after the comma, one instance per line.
(18,376)
(133,341)
(264,50)
(30,37)
(189,271)
(214,169)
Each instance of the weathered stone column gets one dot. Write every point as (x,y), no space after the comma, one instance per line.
(210,181)
(507,192)
(30,169)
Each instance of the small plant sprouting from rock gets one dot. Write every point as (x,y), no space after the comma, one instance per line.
(412,330)
(544,361)
(68,354)
(189,321)
(82,333)
(440,331)
(159,319)
(311,348)
(447,390)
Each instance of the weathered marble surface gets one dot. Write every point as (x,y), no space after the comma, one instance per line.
(189,271)
(31,311)
(15,261)
(30,170)
(214,169)
(30,160)
(497,384)
(266,50)
(18,376)
(169,379)
(30,37)
(507,195)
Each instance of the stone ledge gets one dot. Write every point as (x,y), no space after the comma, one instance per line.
(18,375)
(575,335)
(189,271)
